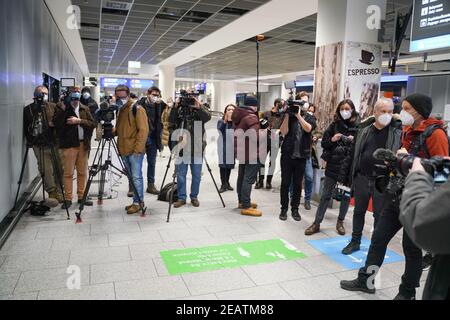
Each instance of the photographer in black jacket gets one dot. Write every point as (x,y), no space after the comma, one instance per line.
(336,144)
(425,215)
(296,149)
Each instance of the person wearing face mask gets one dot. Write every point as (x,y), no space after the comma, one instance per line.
(310,164)
(154,106)
(132,132)
(166,124)
(74,125)
(358,169)
(88,101)
(335,150)
(32,116)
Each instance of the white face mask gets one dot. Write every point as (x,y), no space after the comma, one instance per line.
(385,119)
(124,101)
(86,96)
(407,118)
(346,114)
(45,99)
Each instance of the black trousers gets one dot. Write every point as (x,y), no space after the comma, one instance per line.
(387,228)
(225,176)
(292,170)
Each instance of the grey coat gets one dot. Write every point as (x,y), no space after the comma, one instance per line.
(425,215)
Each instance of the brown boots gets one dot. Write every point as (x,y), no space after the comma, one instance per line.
(340,227)
(315,228)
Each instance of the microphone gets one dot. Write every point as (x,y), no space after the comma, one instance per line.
(385,155)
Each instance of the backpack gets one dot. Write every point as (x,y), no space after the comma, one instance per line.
(165,192)
(421,141)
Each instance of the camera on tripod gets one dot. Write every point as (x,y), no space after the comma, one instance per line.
(188,99)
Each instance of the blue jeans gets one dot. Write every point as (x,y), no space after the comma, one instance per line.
(196,171)
(152,152)
(309,180)
(133,164)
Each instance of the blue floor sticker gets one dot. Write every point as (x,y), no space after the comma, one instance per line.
(332,247)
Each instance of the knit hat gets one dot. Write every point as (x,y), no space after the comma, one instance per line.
(421,103)
(250,101)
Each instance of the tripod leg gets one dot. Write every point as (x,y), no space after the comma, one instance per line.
(130,178)
(101,186)
(167,171)
(214,181)
(22,171)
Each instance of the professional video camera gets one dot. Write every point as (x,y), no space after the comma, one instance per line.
(397,168)
(106,113)
(187,99)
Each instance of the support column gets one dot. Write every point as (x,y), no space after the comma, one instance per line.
(348,55)
(223,95)
(167,81)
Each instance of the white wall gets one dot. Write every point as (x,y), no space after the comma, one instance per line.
(267,98)
(437,87)
(30,44)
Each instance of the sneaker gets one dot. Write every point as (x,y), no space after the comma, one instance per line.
(51,202)
(87,203)
(404,297)
(151,188)
(356,285)
(223,189)
(313,229)
(353,246)
(251,212)
(66,205)
(54,199)
(283,215)
(179,204)
(307,205)
(195,203)
(296,215)
(427,261)
(340,228)
(229,187)
(254,206)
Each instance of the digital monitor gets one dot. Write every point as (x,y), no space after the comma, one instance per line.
(113,82)
(67,82)
(430,25)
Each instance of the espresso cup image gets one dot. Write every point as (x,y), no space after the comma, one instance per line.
(367,57)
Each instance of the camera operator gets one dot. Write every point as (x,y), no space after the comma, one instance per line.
(381,131)
(33,122)
(425,216)
(132,133)
(154,106)
(246,124)
(336,144)
(274,118)
(74,125)
(296,131)
(416,119)
(188,115)
(86,100)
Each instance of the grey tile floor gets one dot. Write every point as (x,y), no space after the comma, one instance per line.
(119,258)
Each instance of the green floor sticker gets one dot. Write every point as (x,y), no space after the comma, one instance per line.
(228,256)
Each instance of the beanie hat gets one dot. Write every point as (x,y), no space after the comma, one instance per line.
(421,103)
(250,101)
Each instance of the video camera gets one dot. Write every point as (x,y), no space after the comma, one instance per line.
(187,99)
(106,113)
(397,168)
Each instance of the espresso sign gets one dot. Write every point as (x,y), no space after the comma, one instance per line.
(362,75)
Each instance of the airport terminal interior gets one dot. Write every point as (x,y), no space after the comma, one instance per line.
(135,72)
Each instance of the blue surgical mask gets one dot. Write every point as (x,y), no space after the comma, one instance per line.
(75,96)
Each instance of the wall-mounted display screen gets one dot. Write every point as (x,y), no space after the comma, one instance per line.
(131,83)
(142,84)
(430,25)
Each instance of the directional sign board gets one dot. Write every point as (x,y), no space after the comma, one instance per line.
(228,256)
(332,247)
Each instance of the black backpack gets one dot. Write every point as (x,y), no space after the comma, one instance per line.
(164,194)
(422,139)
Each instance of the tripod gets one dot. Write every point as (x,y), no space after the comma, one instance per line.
(174,155)
(39,131)
(98,165)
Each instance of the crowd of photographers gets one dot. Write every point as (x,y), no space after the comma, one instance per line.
(363,159)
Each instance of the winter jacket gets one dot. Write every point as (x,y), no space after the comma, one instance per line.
(425,216)
(437,143)
(165,136)
(156,126)
(68,134)
(132,131)
(30,115)
(334,153)
(351,165)
(288,145)
(224,144)
(245,120)
(91,104)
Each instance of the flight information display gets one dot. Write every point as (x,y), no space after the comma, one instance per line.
(430,25)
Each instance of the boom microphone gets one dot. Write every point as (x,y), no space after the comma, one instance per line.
(384,155)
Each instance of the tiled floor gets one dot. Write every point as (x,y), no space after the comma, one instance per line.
(119,258)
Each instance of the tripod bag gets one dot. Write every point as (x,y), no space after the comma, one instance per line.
(165,192)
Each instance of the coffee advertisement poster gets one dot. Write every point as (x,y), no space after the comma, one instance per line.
(362,77)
